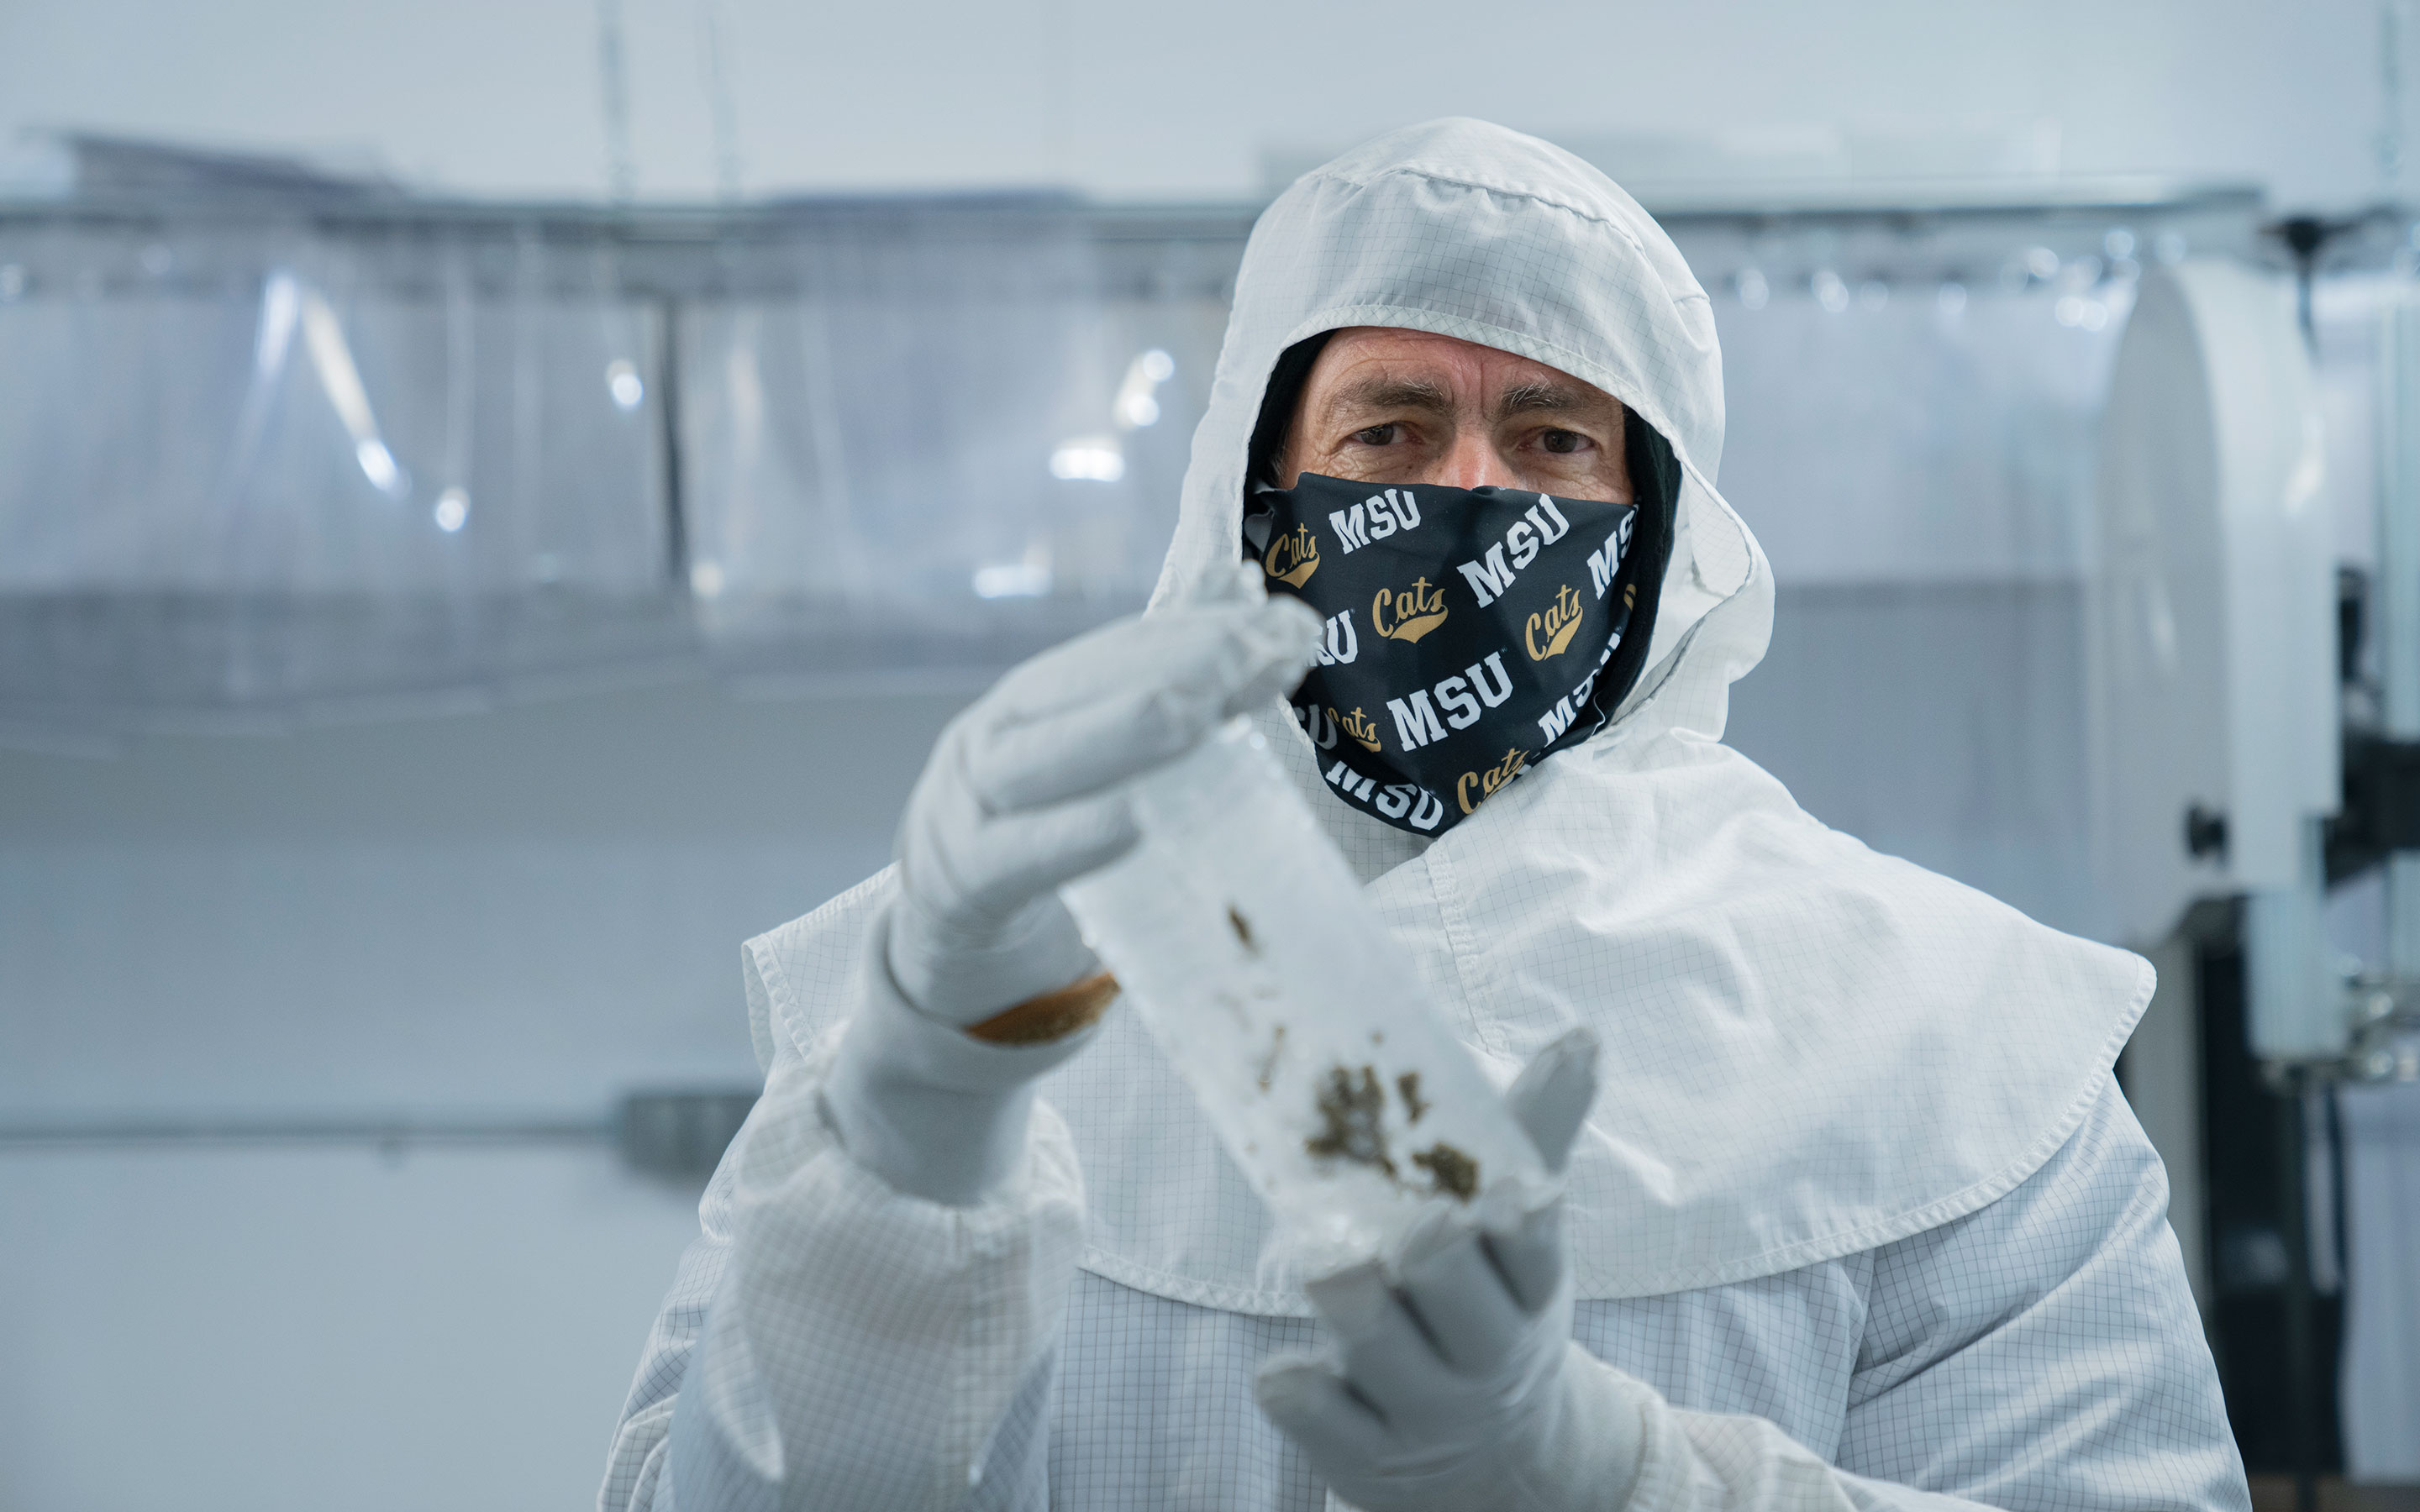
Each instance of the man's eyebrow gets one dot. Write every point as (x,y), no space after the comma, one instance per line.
(1384,392)
(1544,397)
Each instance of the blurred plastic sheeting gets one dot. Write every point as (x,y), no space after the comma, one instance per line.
(1939,721)
(1914,437)
(903,448)
(1916,456)
(268,459)
(251,467)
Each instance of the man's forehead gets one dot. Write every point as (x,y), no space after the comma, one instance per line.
(1381,367)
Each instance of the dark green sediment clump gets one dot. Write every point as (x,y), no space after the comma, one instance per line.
(1352,1112)
(1454,1172)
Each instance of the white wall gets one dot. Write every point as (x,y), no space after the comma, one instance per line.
(519,912)
(307,1330)
(529,908)
(1143,99)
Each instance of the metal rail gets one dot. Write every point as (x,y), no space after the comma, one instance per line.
(85,1134)
(676,1132)
(221,240)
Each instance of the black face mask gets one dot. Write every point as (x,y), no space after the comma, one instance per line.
(1470,631)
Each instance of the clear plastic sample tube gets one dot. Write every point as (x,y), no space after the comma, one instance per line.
(1242,938)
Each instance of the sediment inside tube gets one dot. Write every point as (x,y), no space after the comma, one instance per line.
(1352,1112)
(1455,1173)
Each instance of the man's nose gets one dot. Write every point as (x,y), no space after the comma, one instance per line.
(1473,462)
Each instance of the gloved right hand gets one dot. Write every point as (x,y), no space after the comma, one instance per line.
(1456,1382)
(1025,790)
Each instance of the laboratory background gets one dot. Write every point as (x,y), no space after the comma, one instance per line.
(496,500)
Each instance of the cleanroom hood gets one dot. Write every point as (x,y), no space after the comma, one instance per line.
(1809,1049)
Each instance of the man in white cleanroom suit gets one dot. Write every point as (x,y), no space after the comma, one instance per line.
(1858,1216)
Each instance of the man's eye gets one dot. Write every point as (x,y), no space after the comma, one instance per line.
(1562,443)
(1377,434)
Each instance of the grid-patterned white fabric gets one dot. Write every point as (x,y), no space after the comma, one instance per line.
(2039,1355)
(1856,1171)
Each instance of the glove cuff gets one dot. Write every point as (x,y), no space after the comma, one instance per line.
(958,978)
(933,1112)
(1595,1451)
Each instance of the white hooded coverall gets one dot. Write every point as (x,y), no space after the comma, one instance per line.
(1859,1217)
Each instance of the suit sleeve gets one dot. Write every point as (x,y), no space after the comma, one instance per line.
(831,1343)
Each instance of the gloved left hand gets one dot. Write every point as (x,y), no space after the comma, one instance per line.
(1456,1384)
(931,1085)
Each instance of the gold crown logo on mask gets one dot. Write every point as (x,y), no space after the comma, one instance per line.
(1358,726)
(1557,624)
(1291,558)
(1409,614)
(1472,788)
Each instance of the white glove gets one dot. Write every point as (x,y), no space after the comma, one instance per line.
(1458,1385)
(1024,790)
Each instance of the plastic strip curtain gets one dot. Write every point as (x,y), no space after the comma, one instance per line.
(254,467)
(923,440)
(249,473)
(1912,440)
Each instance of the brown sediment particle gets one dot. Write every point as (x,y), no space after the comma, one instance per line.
(1414,1105)
(1453,1171)
(1353,1107)
(1270,1062)
(1243,930)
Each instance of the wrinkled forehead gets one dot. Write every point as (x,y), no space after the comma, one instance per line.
(1375,361)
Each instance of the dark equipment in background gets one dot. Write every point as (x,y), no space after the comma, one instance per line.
(2275,1335)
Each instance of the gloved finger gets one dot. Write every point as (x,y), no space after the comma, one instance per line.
(994,869)
(1311,1405)
(1105,660)
(1143,709)
(1454,1287)
(1244,582)
(1387,1357)
(1550,1099)
(1531,1259)
(1281,677)
(1237,582)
